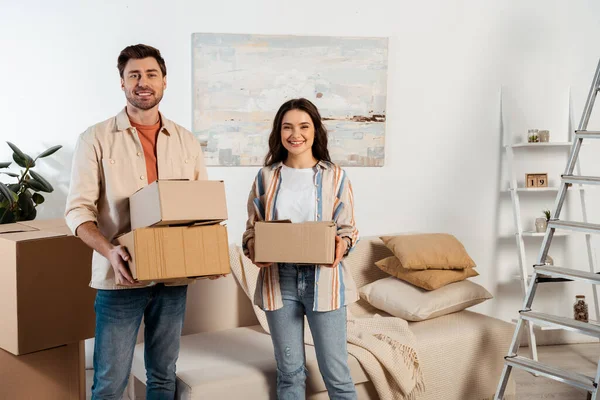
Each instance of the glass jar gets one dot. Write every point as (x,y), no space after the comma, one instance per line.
(580,309)
(541,224)
(544,136)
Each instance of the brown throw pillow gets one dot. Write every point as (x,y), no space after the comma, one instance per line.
(429,251)
(426,279)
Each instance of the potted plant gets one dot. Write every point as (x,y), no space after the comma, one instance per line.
(542,223)
(18,201)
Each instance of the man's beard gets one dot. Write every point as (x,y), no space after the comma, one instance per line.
(144,104)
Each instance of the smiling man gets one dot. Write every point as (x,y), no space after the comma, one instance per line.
(113,160)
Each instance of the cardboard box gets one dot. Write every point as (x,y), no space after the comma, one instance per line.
(54,374)
(45,298)
(177,203)
(286,242)
(175,252)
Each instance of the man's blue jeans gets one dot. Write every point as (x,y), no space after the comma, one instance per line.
(297,284)
(118,317)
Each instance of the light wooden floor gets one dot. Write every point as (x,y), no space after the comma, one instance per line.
(582,358)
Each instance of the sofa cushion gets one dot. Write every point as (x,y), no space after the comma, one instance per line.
(234,364)
(463,355)
(429,279)
(411,303)
(429,251)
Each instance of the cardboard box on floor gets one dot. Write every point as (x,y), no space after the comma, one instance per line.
(172,202)
(175,252)
(303,243)
(54,374)
(45,298)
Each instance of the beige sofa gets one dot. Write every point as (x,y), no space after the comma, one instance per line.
(226,355)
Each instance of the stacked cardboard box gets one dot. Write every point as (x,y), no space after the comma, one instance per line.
(177,231)
(54,374)
(46,309)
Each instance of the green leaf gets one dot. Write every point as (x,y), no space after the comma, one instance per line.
(20,162)
(37,177)
(6,216)
(25,162)
(16,150)
(21,158)
(10,174)
(5,164)
(8,194)
(49,152)
(26,204)
(31,216)
(38,198)
(35,185)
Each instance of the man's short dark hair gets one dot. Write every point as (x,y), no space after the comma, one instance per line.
(138,52)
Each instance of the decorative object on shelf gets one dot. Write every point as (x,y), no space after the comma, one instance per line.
(542,180)
(580,309)
(532,136)
(549,260)
(536,180)
(18,201)
(547,214)
(542,223)
(544,136)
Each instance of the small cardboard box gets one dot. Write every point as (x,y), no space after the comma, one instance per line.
(175,252)
(303,243)
(45,298)
(172,202)
(54,374)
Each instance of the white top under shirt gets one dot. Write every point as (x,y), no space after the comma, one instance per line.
(297,195)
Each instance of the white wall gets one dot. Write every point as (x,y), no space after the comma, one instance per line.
(450,64)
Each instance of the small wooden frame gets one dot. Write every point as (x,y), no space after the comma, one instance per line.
(542,180)
(536,180)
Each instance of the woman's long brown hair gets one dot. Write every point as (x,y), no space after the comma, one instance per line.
(278,153)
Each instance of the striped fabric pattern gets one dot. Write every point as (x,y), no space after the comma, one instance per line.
(334,287)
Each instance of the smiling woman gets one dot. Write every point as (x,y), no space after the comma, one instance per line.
(298,128)
(300,183)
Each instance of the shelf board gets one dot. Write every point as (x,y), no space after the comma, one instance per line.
(541,327)
(540,145)
(553,328)
(528,234)
(541,234)
(542,279)
(543,189)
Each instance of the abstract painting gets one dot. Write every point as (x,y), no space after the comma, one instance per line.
(240,81)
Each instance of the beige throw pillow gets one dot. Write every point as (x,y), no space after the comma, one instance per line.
(429,251)
(411,303)
(430,279)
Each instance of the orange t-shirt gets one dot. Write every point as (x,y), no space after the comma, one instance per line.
(148,135)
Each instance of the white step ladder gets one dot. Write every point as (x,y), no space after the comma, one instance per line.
(543,273)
